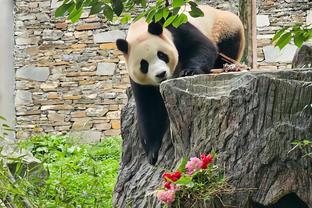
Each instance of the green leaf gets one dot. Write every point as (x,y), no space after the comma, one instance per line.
(75,15)
(6,125)
(196,12)
(150,15)
(175,11)
(298,40)
(79,4)
(2,118)
(108,12)
(177,3)
(182,164)
(279,33)
(159,15)
(283,40)
(117,7)
(96,8)
(165,13)
(186,181)
(62,9)
(169,20)
(139,16)
(125,19)
(306,142)
(143,3)
(181,19)
(193,4)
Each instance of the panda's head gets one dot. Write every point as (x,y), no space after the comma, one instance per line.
(150,54)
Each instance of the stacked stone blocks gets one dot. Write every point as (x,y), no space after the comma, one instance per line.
(69,77)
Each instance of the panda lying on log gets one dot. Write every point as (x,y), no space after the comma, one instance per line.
(154,54)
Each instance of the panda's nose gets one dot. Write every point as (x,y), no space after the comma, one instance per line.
(161,75)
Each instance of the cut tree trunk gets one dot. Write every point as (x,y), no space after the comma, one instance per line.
(250,118)
(303,57)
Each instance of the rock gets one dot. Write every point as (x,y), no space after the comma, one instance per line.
(23,97)
(49,86)
(309,17)
(52,34)
(103,126)
(33,73)
(262,20)
(106,69)
(78,114)
(90,26)
(56,117)
(303,57)
(112,132)
(55,4)
(82,124)
(87,137)
(249,118)
(109,95)
(26,41)
(108,46)
(99,111)
(110,36)
(113,115)
(115,124)
(72,97)
(56,107)
(53,95)
(274,54)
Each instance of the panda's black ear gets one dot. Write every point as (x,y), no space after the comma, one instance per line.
(122,45)
(155,28)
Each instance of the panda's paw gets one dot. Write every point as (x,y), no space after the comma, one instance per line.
(189,72)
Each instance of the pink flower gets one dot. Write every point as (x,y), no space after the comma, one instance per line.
(166,196)
(193,165)
(206,160)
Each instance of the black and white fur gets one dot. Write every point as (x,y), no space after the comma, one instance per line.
(154,54)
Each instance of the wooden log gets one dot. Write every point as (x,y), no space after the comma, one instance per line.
(250,118)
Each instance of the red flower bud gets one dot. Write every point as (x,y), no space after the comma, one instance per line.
(172,176)
(165,176)
(168,185)
(177,174)
(206,160)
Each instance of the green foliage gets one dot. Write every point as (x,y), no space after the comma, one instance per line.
(304,145)
(5,129)
(203,185)
(298,33)
(121,9)
(80,175)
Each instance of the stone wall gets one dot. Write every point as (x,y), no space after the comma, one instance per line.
(273,15)
(71,78)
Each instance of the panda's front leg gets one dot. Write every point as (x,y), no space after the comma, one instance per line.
(191,71)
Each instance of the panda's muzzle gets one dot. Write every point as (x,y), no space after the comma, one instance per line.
(162,76)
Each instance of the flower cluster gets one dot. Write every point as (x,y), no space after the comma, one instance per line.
(182,177)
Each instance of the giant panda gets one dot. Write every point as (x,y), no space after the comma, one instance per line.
(154,54)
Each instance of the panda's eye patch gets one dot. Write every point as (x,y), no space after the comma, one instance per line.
(163,56)
(144,66)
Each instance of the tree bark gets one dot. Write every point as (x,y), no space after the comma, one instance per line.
(250,118)
(303,57)
(247,13)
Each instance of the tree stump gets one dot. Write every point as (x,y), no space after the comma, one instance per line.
(250,118)
(303,57)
